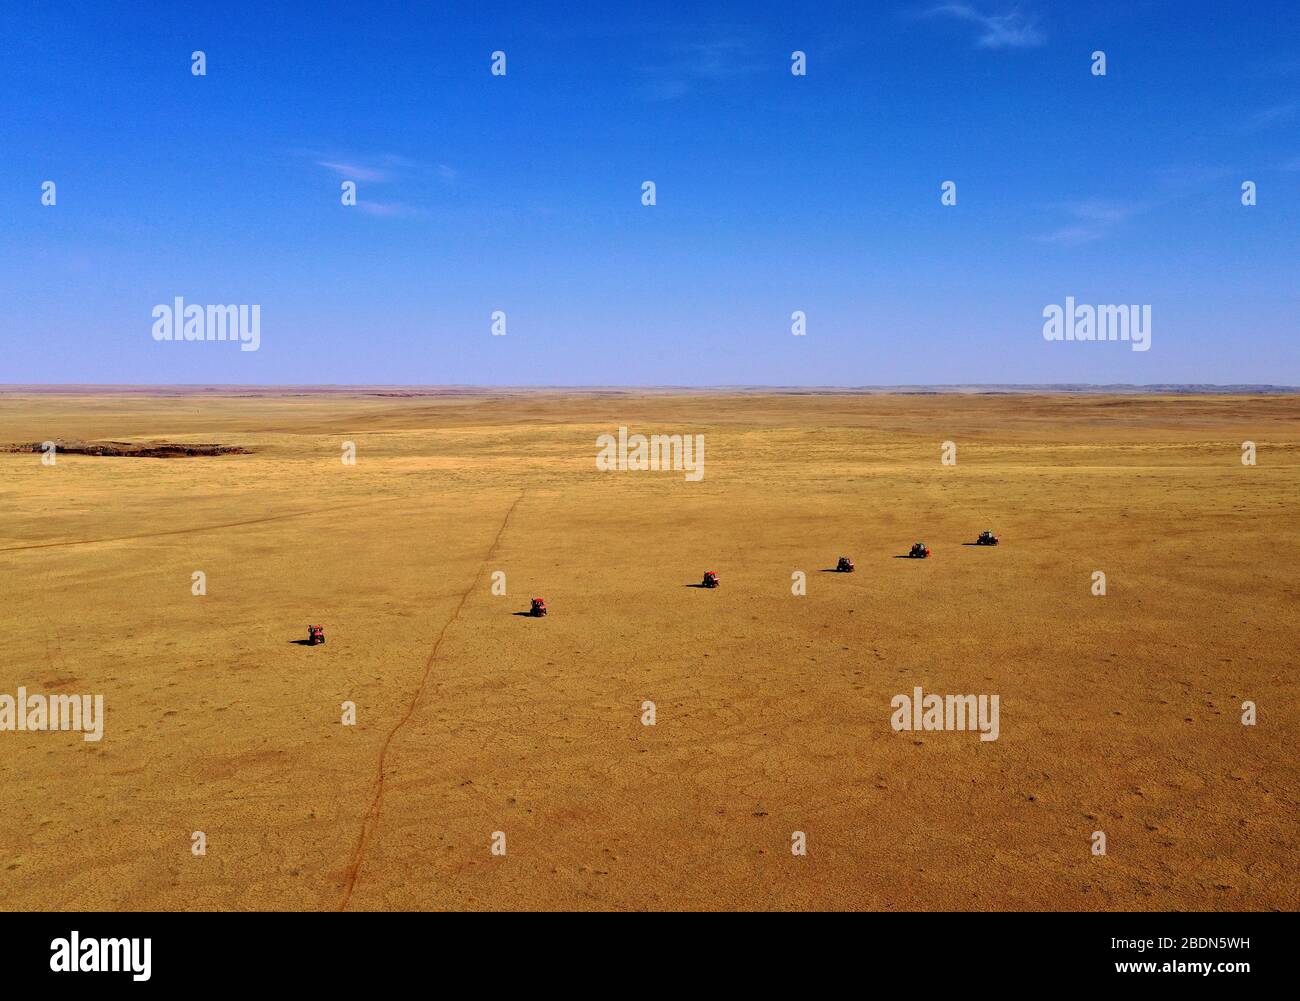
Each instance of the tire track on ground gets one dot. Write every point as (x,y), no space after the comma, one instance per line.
(370,822)
(192,531)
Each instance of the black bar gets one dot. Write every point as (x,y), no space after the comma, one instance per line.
(486,951)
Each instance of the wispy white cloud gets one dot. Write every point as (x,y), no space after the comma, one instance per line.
(719,58)
(385,169)
(356,171)
(665,90)
(387,210)
(1271,116)
(1012,30)
(698,63)
(377,169)
(1091,219)
(1188,179)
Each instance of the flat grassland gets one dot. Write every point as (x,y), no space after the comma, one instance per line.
(1120,714)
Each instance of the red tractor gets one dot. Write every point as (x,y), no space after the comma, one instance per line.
(986,538)
(710,579)
(919,551)
(315,635)
(538,608)
(845,565)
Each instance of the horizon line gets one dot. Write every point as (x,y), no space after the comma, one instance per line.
(1199,388)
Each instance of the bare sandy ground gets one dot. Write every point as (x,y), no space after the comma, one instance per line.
(1119,714)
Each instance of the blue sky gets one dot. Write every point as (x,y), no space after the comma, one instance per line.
(775,192)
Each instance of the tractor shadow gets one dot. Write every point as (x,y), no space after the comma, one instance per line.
(303,642)
(833,570)
(527,615)
(702,587)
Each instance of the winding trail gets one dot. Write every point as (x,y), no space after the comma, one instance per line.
(370,822)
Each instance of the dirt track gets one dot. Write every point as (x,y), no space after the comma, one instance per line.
(1118,713)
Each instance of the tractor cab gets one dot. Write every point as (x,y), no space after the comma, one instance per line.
(919,551)
(710,579)
(315,635)
(538,608)
(845,565)
(987,538)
